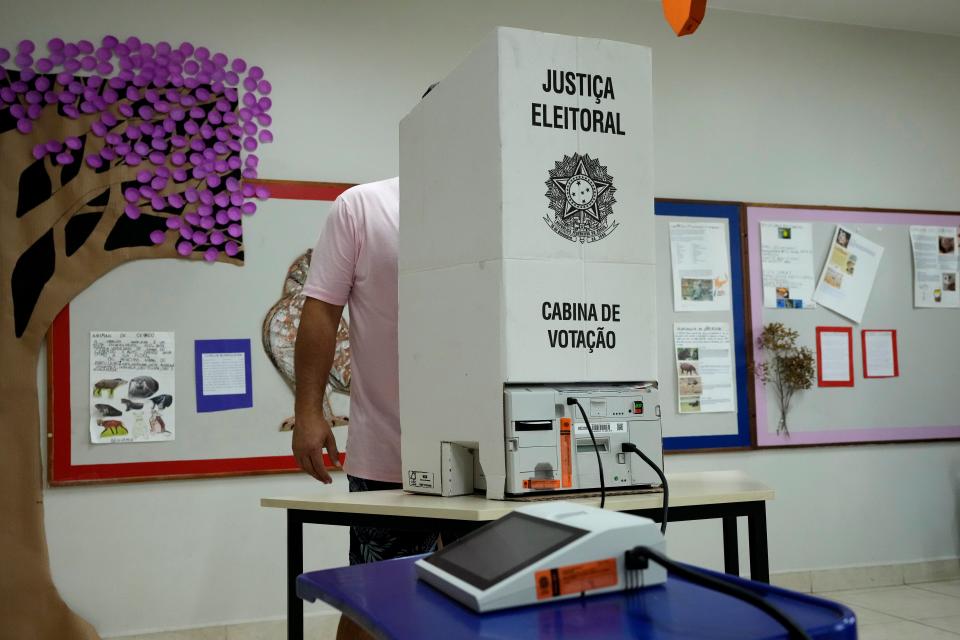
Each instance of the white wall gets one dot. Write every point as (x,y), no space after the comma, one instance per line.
(749,108)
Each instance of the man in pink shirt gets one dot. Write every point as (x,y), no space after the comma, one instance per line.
(355,264)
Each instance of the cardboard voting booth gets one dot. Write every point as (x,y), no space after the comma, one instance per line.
(526,242)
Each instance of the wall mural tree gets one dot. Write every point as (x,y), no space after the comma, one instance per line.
(108,153)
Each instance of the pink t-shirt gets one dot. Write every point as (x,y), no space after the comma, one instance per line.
(355,263)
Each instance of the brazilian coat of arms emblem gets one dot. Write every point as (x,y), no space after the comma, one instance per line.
(580,192)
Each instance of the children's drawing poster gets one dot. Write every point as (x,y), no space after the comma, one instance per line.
(131,386)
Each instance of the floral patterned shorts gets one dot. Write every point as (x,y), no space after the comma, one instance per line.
(372,544)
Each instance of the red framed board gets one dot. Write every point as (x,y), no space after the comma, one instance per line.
(886,335)
(63,469)
(842,371)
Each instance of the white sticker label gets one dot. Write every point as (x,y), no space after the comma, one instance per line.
(423,479)
(599,427)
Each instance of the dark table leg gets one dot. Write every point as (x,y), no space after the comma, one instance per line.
(731,546)
(294,569)
(757,531)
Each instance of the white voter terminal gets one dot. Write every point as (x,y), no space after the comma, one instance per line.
(542,553)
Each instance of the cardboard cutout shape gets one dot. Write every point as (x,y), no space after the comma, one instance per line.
(111,153)
(684,16)
(279,336)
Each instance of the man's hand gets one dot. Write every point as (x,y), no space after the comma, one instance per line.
(311,436)
(316,342)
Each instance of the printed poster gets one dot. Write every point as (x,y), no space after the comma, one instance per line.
(701,266)
(704,367)
(131,386)
(786,250)
(224,379)
(935,265)
(848,273)
(834,357)
(880,353)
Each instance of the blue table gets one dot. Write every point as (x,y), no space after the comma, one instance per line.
(388,601)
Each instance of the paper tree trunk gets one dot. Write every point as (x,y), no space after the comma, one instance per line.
(90,178)
(34,246)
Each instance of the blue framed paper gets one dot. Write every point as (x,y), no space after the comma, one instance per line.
(224,378)
(729,211)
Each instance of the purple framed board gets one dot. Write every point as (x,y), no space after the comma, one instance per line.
(911,407)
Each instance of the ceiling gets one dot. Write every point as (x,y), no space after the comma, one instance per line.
(927,16)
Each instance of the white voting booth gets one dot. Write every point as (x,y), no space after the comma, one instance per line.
(526,245)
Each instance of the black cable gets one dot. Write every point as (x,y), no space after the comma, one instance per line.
(629,446)
(794,630)
(603,487)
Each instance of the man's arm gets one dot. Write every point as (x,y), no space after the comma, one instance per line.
(313,357)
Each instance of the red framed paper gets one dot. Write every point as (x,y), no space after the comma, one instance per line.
(827,344)
(60,467)
(893,346)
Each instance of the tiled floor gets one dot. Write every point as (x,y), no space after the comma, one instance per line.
(314,628)
(926,611)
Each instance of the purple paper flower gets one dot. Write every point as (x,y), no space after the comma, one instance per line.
(180,119)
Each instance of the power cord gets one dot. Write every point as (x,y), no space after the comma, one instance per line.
(638,559)
(629,446)
(603,488)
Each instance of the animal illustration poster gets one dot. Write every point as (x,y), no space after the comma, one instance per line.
(704,367)
(701,266)
(132,380)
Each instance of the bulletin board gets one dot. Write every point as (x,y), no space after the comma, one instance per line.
(916,405)
(225,302)
(212,301)
(701,431)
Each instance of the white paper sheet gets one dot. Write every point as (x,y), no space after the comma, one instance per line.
(704,367)
(848,273)
(878,354)
(224,374)
(935,267)
(786,250)
(132,380)
(835,356)
(701,266)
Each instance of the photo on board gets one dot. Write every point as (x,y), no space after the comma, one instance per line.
(843,237)
(947,244)
(696,289)
(851,264)
(833,278)
(688,353)
(689,385)
(689,404)
(950,281)
(687,369)
(838,257)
